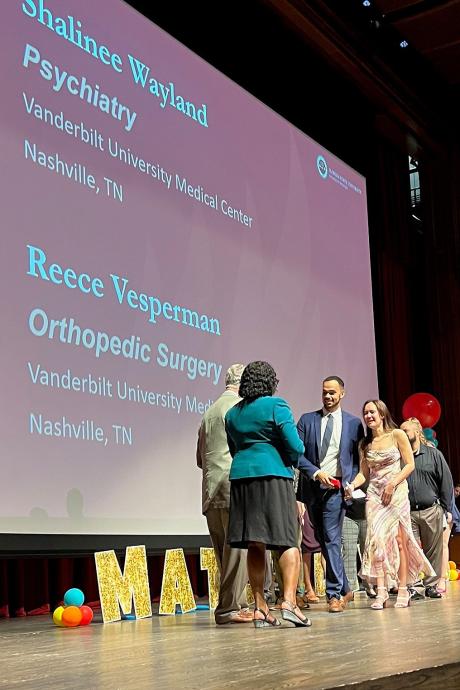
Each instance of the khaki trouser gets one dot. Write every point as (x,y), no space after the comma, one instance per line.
(427,528)
(232,567)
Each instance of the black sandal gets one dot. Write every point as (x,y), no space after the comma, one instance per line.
(266,621)
(289,615)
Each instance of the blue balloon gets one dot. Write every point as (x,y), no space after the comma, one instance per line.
(428,433)
(74,597)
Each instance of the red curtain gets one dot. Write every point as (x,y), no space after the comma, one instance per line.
(33,586)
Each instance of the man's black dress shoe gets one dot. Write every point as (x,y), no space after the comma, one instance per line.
(432,593)
(414,595)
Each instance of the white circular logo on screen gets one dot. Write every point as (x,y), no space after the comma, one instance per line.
(322,166)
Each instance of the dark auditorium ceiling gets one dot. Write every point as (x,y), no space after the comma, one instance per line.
(431,28)
(418,85)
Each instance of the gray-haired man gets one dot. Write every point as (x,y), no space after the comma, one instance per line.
(430,495)
(213,457)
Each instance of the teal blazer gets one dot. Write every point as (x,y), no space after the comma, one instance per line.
(262,438)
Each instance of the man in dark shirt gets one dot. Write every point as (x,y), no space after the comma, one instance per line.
(457,494)
(430,495)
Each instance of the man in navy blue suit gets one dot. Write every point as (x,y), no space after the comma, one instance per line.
(331,438)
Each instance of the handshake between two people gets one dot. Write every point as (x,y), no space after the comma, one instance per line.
(329,482)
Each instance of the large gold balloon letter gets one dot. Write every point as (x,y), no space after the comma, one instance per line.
(208,562)
(118,590)
(176,587)
(320,582)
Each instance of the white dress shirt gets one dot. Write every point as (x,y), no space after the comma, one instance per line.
(330,463)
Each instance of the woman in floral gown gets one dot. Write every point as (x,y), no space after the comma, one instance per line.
(391,557)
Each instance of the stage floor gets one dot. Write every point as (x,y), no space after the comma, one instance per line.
(189,651)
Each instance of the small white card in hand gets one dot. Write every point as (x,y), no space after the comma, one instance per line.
(357,493)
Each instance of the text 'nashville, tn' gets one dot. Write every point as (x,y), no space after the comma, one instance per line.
(81,430)
(74,171)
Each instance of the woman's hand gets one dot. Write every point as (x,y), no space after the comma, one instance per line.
(349,488)
(300,511)
(388,493)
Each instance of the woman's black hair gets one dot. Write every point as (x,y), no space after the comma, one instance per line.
(258,379)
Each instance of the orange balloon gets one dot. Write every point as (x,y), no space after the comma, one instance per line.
(452,565)
(453,575)
(71,616)
(57,616)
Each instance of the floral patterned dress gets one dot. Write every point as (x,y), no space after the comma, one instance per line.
(381,554)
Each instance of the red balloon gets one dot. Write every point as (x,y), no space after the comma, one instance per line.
(86,615)
(424,406)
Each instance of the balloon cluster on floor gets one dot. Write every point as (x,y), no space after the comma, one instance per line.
(427,409)
(453,573)
(73,613)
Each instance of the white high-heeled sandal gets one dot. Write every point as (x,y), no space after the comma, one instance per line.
(403,600)
(380,601)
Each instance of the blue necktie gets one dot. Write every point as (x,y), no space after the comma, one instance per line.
(327,437)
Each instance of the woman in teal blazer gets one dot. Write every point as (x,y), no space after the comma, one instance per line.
(265,445)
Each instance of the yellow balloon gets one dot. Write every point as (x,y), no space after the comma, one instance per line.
(452,565)
(57,616)
(453,575)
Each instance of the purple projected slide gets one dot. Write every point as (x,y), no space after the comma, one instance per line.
(159,224)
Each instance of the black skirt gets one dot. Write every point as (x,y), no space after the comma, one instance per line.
(264,510)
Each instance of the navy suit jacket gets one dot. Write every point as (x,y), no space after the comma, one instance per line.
(309,430)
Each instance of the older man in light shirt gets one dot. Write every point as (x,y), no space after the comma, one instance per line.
(214,459)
